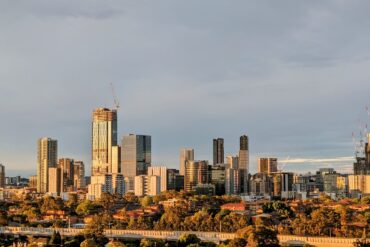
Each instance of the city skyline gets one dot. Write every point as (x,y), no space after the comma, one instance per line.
(294,80)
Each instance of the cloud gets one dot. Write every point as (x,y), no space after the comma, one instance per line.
(292,75)
(318,160)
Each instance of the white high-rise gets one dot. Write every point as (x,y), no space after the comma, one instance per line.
(47,156)
(161,172)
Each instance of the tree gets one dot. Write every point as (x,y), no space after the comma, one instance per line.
(89,243)
(55,239)
(237,242)
(116,243)
(87,207)
(152,243)
(200,221)
(95,230)
(146,201)
(187,239)
(263,236)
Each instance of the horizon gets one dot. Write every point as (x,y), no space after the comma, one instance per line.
(291,76)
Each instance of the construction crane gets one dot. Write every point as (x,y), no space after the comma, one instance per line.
(115,99)
(281,166)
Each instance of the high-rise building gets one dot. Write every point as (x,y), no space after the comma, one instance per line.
(196,172)
(267,165)
(100,184)
(342,186)
(175,181)
(79,175)
(186,154)
(118,184)
(218,178)
(55,181)
(282,184)
(260,184)
(136,155)
(243,165)
(232,181)
(104,137)
(32,182)
(2,176)
(116,160)
(218,151)
(232,162)
(147,185)
(66,166)
(47,156)
(162,173)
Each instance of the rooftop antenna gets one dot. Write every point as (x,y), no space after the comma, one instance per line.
(115,99)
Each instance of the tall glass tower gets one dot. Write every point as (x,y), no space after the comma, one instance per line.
(104,137)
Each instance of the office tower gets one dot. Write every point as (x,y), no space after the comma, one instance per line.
(55,181)
(342,186)
(243,165)
(129,184)
(136,155)
(282,184)
(118,184)
(218,151)
(232,181)
(104,137)
(232,162)
(186,154)
(359,183)
(2,176)
(147,185)
(47,156)
(175,181)
(32,182)
(79,175)
(162,173)
(218,178)
(116,159)
(267,165)
(196,172)
(361,167)
(100,184)
(260,184)
(66,166)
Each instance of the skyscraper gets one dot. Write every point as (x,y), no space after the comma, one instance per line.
(185,155)
(136,155)
(2,176)
(47,155)
(196,172)
(55,185)
(66,166)
(218,151)
(79,175)
(244,163)
(267,165)
(161,172)
(104,137)
(116,160)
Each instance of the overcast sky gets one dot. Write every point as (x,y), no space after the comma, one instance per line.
(292,75)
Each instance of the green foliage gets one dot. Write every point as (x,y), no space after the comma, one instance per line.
(187,239)
(146,201)
(87,207)
(280,208)
(263,236)
(152,243)
(89,243)
(55,239)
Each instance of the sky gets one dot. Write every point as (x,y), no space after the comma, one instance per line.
(292,75)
